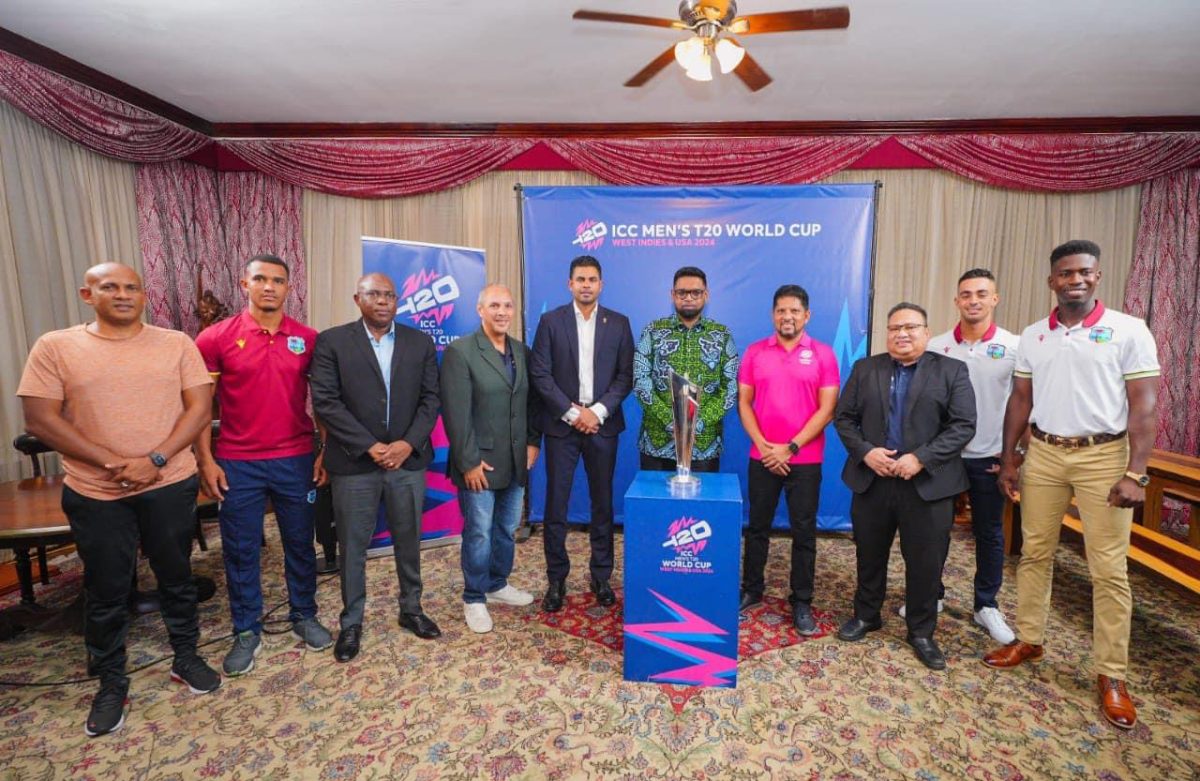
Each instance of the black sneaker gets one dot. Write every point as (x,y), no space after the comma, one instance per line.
(193,672)
(108,709)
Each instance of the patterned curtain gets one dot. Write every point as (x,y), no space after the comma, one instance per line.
(770,160)
(91,118)
(1059,163)
(197,228)
(1164,288)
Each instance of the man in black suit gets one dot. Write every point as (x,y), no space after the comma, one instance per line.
(582,366)
(904,417)
(375,387)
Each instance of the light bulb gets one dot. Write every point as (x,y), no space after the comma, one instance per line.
(689,52)
(729,55)
(702,70)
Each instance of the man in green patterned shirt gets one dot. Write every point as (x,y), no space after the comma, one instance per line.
(699,348)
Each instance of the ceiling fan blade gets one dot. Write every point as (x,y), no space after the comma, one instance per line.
(649,21)
(651,70)
(749,71)
(837,18)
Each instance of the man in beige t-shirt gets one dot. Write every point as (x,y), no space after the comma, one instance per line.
(122,401)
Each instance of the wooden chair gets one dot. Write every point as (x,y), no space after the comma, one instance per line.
(31,446)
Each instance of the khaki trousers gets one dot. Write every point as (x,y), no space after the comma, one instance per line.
(1050,477)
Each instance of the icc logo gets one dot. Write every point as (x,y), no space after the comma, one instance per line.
(428,295)
(590,234)
(688,536)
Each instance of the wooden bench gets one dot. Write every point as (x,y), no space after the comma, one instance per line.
(1178,561)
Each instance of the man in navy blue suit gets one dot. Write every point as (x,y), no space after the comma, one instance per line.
(582,366)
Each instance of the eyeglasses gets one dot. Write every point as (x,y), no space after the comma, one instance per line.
(376,295)
(695,295)
(908,328)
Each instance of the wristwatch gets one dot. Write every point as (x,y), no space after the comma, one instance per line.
(1142,480)
(793,448)
(158,459)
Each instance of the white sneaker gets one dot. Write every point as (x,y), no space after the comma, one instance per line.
(477,617)
(902,612)
(510,595)
(992,620)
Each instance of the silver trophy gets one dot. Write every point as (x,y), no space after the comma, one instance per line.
(685,409)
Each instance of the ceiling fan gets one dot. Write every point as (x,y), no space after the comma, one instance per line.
(713,23)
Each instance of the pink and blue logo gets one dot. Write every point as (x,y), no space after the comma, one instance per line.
(428,296)
(688,536)
(590,234)
(706,668)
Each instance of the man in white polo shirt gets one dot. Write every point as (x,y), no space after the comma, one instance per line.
(1086,382)
(990,353)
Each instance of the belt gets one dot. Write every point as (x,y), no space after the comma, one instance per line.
(1074,442)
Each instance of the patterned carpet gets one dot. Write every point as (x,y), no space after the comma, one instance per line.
(532,701)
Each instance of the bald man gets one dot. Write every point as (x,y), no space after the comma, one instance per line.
(490,413)
(375,388)
(122,401)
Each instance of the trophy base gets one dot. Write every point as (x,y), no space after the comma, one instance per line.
(683,486)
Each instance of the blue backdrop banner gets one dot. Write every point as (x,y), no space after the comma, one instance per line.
(437,286)
(749,241)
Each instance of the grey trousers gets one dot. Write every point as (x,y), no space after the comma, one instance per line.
(356,507)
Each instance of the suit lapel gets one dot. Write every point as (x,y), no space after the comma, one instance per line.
(491,356)
(916,385)
(572,336)
(883,378)
(398,347)
(363,339)
(601,331)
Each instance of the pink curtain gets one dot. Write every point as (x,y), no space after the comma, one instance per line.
(198,226)
(93,119)
(1164,288)
(768,160)
(1059,163)
(378,168)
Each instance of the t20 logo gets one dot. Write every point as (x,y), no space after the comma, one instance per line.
(688,535)
(428,295)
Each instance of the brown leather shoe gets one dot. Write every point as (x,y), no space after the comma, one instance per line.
(1011,655)
(1116,703)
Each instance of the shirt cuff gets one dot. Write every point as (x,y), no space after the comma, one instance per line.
(601,411)
(571,415)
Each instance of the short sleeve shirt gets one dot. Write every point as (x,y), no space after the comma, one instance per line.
(786,385)
(262,386)
(123,394)
(990,363)
(1079,372)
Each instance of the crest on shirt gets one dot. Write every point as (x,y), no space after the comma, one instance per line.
(1100,334)
(296,344)
(946,349)
(995,351)
(806,357)
(241,343)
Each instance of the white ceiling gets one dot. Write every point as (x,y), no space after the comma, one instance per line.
(462,61)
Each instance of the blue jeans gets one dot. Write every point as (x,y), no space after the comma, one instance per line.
(987,521)
(490,519)
(287,482)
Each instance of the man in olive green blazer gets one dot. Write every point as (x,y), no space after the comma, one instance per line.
(490,413)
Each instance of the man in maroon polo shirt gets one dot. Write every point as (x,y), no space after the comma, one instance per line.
(260,361)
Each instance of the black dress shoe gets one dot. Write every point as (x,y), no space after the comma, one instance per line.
(604,593)
(802,619)
(555,593)
(856,629)
(420,625)
(928,652)
(326,566)
(748,600)
(347,643)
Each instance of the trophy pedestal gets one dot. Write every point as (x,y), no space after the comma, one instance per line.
(682,572)
(683,486)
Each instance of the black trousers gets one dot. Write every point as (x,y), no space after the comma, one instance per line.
(802,487)
(656,464)
(107,535)
(599,461)
(888,505)
(323,522)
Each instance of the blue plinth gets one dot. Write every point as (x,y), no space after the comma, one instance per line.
(681,581)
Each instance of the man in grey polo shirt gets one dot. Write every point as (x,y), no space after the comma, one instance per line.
(990,353)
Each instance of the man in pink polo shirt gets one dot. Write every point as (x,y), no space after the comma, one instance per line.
(787,389)
(260,360)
